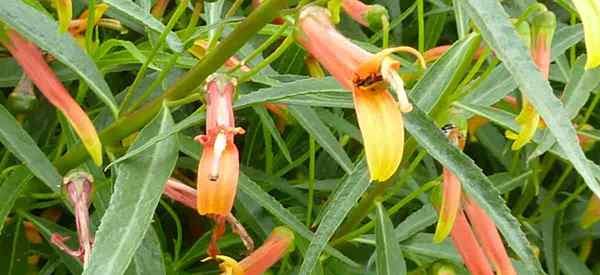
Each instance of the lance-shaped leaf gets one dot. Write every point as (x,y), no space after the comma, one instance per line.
(30,57)
(139,185)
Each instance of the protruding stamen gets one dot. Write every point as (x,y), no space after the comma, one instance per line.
(395,81)
(219,147)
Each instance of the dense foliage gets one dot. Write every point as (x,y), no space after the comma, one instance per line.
(299,137)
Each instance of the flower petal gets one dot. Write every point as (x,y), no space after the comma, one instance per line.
(450,206)
(217,196)
(382,129)
(589,12)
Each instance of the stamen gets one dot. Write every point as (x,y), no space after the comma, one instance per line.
(395,81)
(219,147)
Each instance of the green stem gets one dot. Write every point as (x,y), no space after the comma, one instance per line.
(219,31)
(262,47)
(421,22)
(89,33)
(161,40)
(385,29)
(127,125)
(364,206)
(391,211)
(189,30)
(311,179)
(268,150)
(289,40)
(590,109)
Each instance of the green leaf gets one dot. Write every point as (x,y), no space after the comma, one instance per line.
(499,83)
(138,187)
(551,233)
(274,207)
(43,31)
(415,222)
(18,142)
(340,204)
(267,120)
(570,264)
(137,14)
(148,259)
(389,256)
(474,182)
(500,35)
(13,259)
(581,84)
(445,73)
(308,118)
(10,190)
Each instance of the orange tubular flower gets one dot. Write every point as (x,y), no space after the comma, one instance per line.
(219,166)
(370,16)
(487,234)
(30,58)
(452,190)
(367,76)
(469,249)
(273,249)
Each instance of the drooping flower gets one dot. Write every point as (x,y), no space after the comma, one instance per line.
(371,16)
(543,25)
(31,60)
(476,239)
(219,165)
(589,12)
(277,245)
(78,186)
(367,76)
(64,9)
(487,234)
(452,190)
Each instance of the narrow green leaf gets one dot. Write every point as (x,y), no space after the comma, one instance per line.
(308,118)
(340,204)
(267,120)
(10,190)
(138,187)
(499,34)
(137,14)
(274,207)
(415,222)
(581,84)
(570,264)
(148,259)
(445,73)
(551,239)
(13,259)
(42,31)
(389,256)
(499,83)
(474,182)
(18,142)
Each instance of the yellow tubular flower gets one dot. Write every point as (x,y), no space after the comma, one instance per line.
(589,12)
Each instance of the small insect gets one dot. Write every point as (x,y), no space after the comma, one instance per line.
(448,128)
(367,82)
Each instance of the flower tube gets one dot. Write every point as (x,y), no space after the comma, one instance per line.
(277,245)
(218,170)
(31,60)
(368,77)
